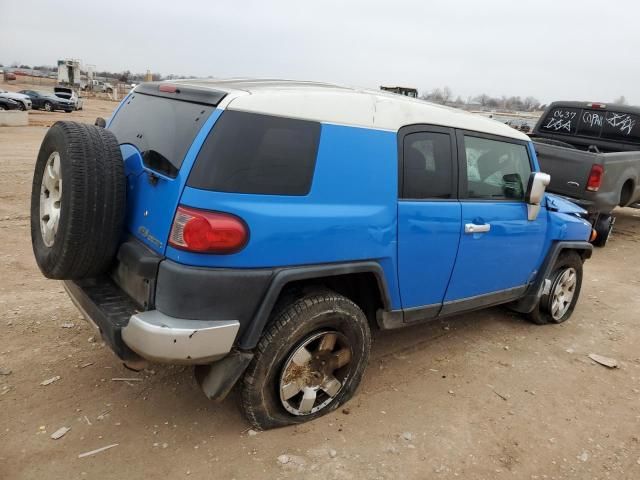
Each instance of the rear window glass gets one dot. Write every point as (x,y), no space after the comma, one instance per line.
(621,126)
(260,154)
(160,128)
(591,122)
(608,125)
(561,120)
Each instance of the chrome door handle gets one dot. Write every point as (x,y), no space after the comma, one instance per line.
(473,228)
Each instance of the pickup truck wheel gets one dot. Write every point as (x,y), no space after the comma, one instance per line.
(77,201)
(566,281)
(603,227)
(309,361)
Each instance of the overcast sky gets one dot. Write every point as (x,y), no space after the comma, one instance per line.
(551,49)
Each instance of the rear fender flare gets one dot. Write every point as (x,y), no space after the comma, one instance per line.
(281,278)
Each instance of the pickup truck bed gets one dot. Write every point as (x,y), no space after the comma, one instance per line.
(592,152)
(570,169)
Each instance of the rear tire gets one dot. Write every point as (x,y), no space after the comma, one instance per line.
(292,378)
(557,306)
(77,201)
(48,106)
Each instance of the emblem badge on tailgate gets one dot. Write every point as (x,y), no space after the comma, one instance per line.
(146,234)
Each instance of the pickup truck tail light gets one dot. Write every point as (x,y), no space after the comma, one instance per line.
(202,231)
(595,178)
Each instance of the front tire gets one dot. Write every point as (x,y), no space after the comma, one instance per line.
(309,361)
(21,106)
(566,281)
(603,227)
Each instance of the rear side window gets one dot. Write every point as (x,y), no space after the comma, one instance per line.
(495,169)
(428,170)
(258,154)
(162,129)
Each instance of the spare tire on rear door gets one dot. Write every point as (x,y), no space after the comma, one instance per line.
(77,201)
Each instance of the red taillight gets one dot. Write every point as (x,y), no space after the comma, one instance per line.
(207,232)
(596,105)
(595,178)
(168,88)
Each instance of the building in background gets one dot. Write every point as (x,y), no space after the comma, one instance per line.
(69,72)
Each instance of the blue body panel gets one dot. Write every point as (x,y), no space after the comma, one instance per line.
(505,257)
(352,213)
(428,238)
(348,215)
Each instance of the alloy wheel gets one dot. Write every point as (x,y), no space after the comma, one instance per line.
(562,293)
(315,372)
(50,198)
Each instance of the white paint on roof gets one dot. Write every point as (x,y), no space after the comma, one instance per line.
(344,105)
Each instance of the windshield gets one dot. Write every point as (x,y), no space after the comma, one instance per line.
(159,127)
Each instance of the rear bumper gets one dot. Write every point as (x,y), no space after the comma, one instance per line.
(151,335)
(160,338)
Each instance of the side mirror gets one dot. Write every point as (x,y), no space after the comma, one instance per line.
(538,182)
(100,122)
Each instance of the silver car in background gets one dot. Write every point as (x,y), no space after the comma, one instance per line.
(70,94)
(24,102)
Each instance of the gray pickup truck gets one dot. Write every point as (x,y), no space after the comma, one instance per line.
(592,152)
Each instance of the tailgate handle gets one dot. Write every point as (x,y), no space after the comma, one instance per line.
(473,228)
(573,184)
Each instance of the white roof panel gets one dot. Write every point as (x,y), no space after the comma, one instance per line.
(345,106)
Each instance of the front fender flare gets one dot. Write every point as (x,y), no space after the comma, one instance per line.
(531,297)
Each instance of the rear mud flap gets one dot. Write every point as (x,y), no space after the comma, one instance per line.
(217,380)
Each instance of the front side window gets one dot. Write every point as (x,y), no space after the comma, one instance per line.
(496,169)
(427,166)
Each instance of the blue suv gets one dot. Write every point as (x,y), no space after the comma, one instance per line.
(260,229)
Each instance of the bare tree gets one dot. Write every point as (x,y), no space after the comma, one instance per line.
(483,99)
(531,103)
(446,95)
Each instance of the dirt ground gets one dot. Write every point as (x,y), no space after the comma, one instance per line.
(479,396)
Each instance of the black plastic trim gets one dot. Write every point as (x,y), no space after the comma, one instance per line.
(482,301)
(388,320)
(108,307)
(184,93)
(197,293)
(217,380)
